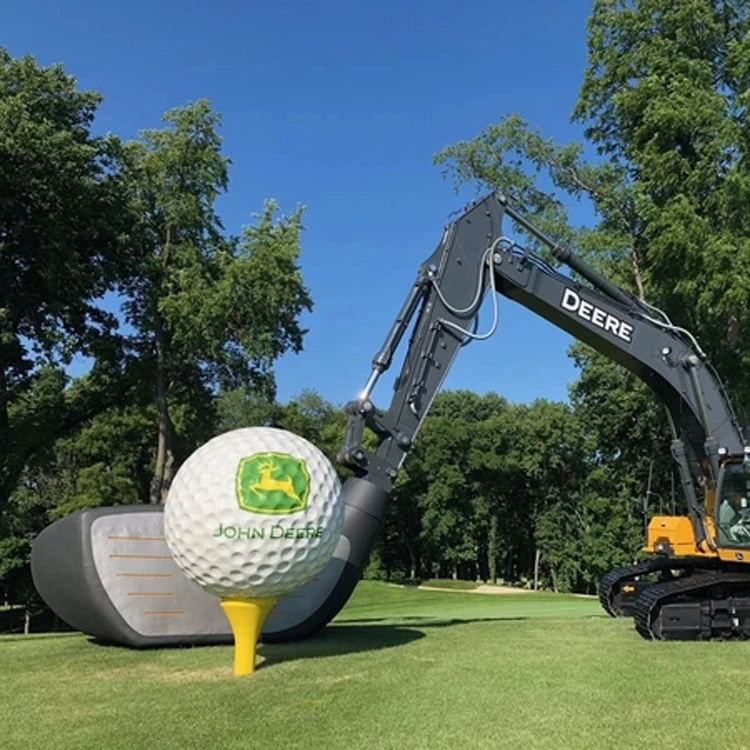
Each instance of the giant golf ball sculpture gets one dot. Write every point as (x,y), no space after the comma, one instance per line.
(253,514)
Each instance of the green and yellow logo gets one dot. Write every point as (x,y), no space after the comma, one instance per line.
(272,483)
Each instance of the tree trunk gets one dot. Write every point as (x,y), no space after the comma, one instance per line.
(4,421)
(509,565)
(492,549)
(9,477)
(165,447)
(414,565)
(26,621)
(537,556)
(481,564)
(637,274)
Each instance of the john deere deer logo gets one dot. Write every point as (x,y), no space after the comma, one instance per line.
(272,483)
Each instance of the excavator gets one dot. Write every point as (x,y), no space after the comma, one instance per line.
(694,583)
(694,580)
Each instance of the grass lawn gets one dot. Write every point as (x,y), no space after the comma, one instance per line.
(400,668)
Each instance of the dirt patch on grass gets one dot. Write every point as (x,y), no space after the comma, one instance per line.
(484,588)
(481,589)
(165,673)
(487,588)
(197,675)
(335,679)
(135,672)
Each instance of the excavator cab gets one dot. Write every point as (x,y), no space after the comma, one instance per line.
(732,509)
(727,520)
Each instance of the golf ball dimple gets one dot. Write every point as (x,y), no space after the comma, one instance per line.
(254,512)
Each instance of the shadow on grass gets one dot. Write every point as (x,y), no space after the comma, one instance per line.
(342,638)
(441,622)
(332,640)
(355,636)
(52,635)
(437,622)
(338,640)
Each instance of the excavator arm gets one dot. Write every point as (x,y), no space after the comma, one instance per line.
(473,258)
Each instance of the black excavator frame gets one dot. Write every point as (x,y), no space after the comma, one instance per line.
(681,598)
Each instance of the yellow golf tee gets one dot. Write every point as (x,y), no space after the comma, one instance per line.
(246,618)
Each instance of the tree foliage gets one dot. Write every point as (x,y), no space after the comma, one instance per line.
(664,98)
(210,311)
(62,219)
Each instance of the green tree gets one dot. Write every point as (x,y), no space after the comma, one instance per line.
(104,462)
(62,225)
(238,407)
(318,420)
(211,312)
(527,465)
(664,99)
(440,510)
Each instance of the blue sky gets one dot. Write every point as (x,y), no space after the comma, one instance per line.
(340,106)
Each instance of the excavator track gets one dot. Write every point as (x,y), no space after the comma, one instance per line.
(703,607)
(617,601)
(610,585)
